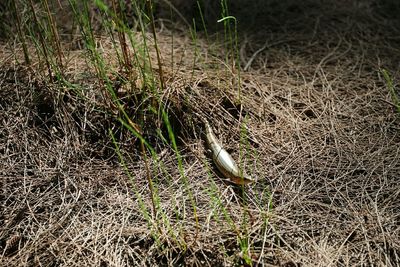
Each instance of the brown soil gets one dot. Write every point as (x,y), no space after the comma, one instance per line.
(322,140)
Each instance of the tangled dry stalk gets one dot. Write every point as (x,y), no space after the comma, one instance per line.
(322,139)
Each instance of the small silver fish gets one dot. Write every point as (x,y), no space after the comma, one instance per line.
(224,161)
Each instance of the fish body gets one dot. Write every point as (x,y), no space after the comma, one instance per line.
(224,161)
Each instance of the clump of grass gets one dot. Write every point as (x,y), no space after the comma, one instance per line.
(392,89)
(136,64)
(154,86)
(42,32)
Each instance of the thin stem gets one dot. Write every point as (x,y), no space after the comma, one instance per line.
(41,38)
(54,32)
(153,29)
(20,33)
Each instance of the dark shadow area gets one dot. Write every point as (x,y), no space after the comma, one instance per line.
(309,29)
(291,15)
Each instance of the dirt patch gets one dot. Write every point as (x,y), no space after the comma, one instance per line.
(312,117)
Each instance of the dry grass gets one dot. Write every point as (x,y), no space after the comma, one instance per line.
(322,141)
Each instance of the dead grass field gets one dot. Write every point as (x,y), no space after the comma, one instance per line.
(323,142)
